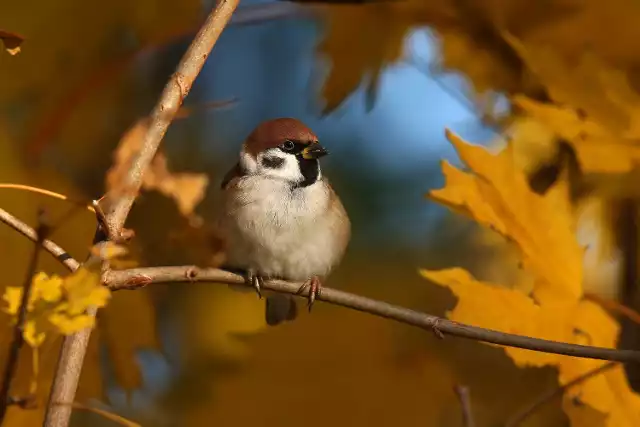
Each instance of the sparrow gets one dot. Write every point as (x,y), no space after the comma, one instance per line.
(280,218)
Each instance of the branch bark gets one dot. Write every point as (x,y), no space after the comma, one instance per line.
(164,112)
(55,250)
(18,330)
(119,203)
(133,278)
(464,396)
(548,397)
(138,277)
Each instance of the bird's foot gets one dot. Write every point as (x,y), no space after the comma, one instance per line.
(256,281)
(314,286)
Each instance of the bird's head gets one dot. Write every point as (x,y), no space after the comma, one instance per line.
(283,149)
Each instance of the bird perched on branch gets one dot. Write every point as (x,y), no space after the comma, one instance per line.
(280,217)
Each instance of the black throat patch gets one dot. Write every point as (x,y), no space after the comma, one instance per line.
(310,170)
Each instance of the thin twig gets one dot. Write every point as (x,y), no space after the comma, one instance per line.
(18,330)
(131,279)
(465,404)
(45,192)
(614,307)
(119,202)
(520,417)
(55,250)
(165,110)
(102,412)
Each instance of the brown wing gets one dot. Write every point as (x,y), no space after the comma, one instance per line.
(235,172)
(341,221)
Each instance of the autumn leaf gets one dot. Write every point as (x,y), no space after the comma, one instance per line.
(542,227)
(59,305)
(599,149)
(12,42)
(355,55)
(186,189)
(495,193)
(590,84)
(584,322)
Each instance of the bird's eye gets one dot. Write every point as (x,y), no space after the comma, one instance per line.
(288,145)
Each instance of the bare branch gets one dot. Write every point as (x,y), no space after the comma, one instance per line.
(18,330)
(520,417)
(65,382)
(465,403)
(55,250)
(119,203)
(131,279)
(170,102)
(103,413)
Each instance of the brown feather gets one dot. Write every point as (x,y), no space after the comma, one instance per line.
(272,133)
(235,172)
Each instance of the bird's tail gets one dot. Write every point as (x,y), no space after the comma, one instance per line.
(280,308)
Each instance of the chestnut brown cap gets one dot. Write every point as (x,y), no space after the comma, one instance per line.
(272,133)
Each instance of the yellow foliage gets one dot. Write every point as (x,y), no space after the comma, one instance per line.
(377,42)
(599,149)
(498,196)
(495,194)
(59,305)
(186,189)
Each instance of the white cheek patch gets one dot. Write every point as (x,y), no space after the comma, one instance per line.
(248,163)
(289,170)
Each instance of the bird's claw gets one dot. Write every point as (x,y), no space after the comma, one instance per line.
(256,281)
(314,286)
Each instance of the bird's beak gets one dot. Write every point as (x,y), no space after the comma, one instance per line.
(314,151)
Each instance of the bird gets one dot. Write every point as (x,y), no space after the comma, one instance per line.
(280,218)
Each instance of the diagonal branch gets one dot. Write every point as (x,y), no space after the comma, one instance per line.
(133,278)
(464,396)
(164,112)
(523,415)
(55,250)
(119,203)
(18,330)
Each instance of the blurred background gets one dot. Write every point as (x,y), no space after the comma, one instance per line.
(200,354)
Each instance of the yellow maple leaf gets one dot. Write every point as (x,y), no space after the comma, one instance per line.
(498,196)
(495,193)
(599,149)
(355,55)
(83,290)
(67,325)
(584,322)
(59,304)
(46,294)
(186,189)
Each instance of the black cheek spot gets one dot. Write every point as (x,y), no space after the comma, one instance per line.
(272,162)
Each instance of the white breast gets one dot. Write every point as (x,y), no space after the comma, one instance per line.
(280,232)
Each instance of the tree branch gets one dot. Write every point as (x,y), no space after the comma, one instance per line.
(119,203)
(464,396)
(165,110)
(55,250)
(135,277)
(18,330)
(521,416)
